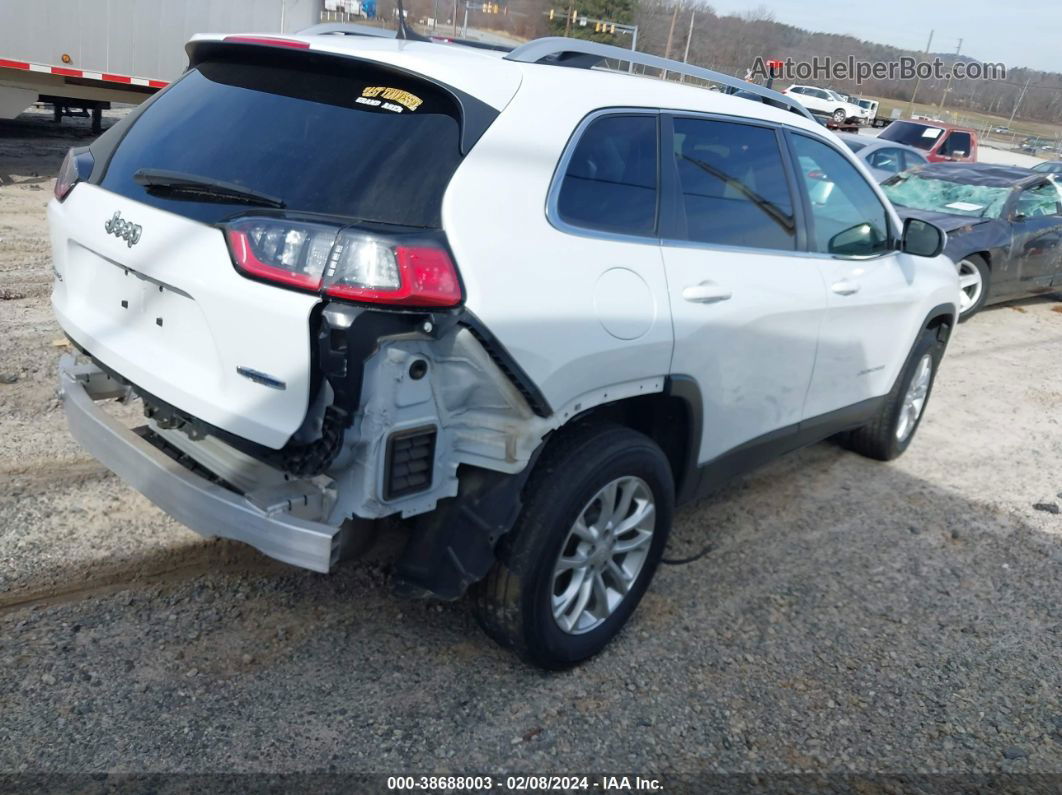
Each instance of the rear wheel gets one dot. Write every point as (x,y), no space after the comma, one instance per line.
(890,433)
(593,529)
(974,277)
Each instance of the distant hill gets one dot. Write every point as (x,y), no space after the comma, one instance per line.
(732,43)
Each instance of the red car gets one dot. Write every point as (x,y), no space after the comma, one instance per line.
(941,142)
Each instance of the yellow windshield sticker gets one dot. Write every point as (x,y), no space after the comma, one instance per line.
(386,97)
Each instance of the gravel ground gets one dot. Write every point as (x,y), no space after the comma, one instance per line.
(850,617)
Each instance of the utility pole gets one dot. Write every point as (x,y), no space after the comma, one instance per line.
(689,38)
(568,20)
(455,19)
(914,93)
(670,36)
(633,30)
(1017,104)
(951,73)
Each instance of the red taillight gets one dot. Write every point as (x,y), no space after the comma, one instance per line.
(348,263)
(269,41)
(247,260)
(426,277)
(77,166)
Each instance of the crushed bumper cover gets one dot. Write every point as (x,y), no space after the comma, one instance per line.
(203,506)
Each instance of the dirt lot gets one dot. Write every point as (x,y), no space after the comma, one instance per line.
(851,616)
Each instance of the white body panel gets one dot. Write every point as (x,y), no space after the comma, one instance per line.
(867,333)
(752,354)
(541,291)
(212,319)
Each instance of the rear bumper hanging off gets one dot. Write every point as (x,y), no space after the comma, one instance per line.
(203,506)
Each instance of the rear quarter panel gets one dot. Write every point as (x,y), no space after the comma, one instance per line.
(546,294)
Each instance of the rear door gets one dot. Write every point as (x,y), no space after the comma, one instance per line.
(746,305)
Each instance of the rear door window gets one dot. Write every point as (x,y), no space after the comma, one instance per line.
(610,183)
(733,185)
(325,135)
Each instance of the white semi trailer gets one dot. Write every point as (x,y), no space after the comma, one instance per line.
(86,54)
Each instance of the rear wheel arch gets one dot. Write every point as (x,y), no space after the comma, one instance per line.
(670,418)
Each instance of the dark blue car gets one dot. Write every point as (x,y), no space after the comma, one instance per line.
(1004,226)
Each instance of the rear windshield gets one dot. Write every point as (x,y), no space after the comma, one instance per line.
(920,136)
(344,139)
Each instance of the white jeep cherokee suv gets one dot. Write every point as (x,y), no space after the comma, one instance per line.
(524,309)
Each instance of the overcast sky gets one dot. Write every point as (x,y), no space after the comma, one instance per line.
(1016,32)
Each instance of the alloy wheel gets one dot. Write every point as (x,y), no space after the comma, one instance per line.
(914,399)
(603,555)
(971,285)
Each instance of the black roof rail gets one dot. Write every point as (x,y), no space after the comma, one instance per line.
(479,45)
(583,54)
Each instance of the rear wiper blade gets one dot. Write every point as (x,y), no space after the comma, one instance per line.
(177,181)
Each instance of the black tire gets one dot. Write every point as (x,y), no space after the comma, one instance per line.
(978,262)
(513,603)
(878,438)
(839,116)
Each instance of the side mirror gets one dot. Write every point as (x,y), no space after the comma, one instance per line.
(959,153)
(922,238)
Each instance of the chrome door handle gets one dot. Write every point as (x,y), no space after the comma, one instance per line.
(845,287)
(706,293)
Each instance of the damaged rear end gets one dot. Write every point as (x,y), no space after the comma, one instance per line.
(257,255)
